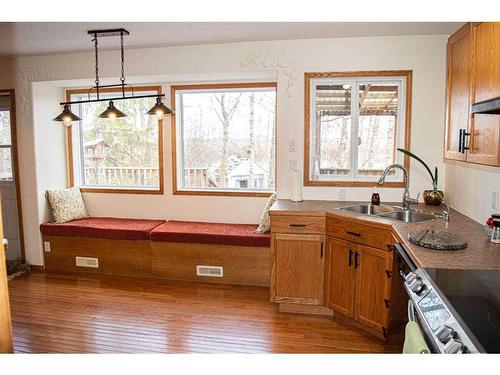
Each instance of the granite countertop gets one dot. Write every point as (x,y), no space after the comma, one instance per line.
(479,254)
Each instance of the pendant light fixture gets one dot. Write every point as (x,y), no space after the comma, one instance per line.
(67,117)
(112,112)
(159,109)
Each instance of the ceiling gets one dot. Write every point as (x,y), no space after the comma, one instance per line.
(24,38)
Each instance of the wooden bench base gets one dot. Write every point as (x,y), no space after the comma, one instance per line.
(242,265)
(116,257)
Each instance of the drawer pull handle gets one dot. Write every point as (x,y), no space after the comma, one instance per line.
(354,234)
(297,225)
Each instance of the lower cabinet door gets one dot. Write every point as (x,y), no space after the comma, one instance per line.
(298,263)
(372,291)
(340,276)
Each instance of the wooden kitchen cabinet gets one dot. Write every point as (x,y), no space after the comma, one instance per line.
(458,91)
(340,276)
(358,282)
(484,147)
(473,75)
(297,268)
(372,287)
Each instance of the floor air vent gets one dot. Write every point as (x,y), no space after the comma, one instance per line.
(87,262)
(211,271)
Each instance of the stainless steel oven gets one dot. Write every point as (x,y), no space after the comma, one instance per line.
(430,309)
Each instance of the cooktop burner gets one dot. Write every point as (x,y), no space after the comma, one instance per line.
(475,296)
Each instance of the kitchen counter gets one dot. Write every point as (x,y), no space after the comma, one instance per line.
(479,254)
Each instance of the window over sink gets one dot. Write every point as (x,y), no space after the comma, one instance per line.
(354,123)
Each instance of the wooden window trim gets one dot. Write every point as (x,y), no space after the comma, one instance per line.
(117,190)
(408,74)
(234,193)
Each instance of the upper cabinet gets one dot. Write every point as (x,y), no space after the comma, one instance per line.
(473,75)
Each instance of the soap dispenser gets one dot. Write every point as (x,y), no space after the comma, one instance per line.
(375,197)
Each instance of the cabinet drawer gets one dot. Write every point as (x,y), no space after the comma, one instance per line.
(298,224)
(360,233)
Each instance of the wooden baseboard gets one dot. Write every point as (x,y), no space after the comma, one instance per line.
(304,309)
(369,330)
(37,268)
(242,265)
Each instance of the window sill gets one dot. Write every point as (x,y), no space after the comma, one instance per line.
(121,191)
(224,193)
(387,184)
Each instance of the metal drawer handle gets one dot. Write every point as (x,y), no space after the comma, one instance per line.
(354,234)
(298,225)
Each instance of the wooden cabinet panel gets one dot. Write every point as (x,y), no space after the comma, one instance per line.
(339,290)
(485,129)
(354,231)
(486,60)
(298,224)
(298,269)
(372,287)
(484,145)
(459,55)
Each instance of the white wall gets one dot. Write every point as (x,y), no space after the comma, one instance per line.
(288,60)
(469,188)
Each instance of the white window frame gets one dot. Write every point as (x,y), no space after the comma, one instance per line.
(8,181)
(401,127)
(178,160)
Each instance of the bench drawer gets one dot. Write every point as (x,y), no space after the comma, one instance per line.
(298,224)
(360,233)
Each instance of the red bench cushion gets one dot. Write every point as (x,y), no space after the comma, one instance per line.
(210,233)
(103,227)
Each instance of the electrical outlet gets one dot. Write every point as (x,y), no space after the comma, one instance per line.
(341,195)
(292,146)
(46,246)
(494,200)
(292,165)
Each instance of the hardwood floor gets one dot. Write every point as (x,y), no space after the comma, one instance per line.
(67,313)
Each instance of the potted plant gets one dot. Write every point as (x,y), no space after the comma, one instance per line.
(432,197)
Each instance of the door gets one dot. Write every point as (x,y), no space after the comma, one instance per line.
(339,291)
(485,129)
(372,290)
(298,264)
(459,55)
(5,322)
(9,181)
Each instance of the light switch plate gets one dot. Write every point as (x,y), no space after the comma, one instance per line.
(494,200)
(292,146)
(341,195)
(292,165)
(46,246)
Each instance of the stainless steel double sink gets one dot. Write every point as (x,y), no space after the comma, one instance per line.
(390,212)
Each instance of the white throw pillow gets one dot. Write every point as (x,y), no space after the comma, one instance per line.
(265,219)
(66,205)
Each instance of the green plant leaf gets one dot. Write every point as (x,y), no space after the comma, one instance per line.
(412,155)
(435,182)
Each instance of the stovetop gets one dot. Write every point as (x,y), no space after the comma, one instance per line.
(475,296)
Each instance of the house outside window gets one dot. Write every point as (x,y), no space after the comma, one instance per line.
(355,122)
(123,155)
(224,139)
(6,174)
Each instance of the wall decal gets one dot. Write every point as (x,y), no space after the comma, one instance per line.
(288,68)
(25,77)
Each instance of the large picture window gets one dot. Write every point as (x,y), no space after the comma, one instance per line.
(224,139)
(122,155)
(6,174)
(354,124)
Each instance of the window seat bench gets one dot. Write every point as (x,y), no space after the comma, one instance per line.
(158,248)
